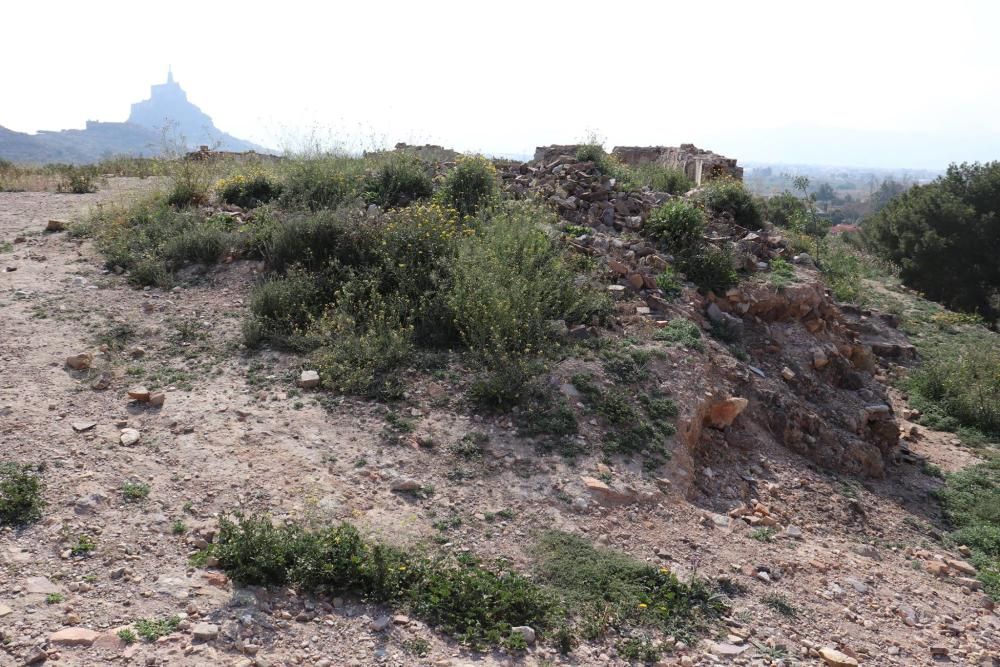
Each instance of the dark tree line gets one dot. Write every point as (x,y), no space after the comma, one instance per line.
(945,237)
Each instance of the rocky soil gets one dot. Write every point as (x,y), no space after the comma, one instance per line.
(849,571)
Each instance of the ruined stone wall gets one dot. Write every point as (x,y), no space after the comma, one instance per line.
(698,164)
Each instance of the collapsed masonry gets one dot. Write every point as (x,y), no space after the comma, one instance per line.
(698,164)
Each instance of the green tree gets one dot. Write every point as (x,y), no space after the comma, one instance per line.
(887,191)
(945,237)
(825,192)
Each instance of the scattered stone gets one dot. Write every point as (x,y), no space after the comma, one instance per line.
(309,380)
(939,651)
(401,619)
(74,637)
(205,632)
(56,226)
(80,427)
(380,623)
(5,610)
(793,532)
(140,394)
(819,359)
(835,658)
(102,381)
(129,436)
(788,374)
(157,399)
(607,495)
(404,485)
(525,631)
(36,656)
(858,585)
(137,353)
(80,362)
(868,551)
(961,566)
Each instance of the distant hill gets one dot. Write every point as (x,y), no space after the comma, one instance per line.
(166,119)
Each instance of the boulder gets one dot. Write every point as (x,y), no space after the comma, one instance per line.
(722,413)
(309,380)
(74,637)
(835,658)
(80,362)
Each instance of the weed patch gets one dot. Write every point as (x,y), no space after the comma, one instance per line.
(971,501)
(20,494)
(615,591)
(681,332)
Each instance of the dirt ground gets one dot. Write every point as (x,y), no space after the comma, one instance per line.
(854,562)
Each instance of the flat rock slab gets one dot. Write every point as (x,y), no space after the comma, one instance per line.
(41,586)
(74,637)
(835,658)
(728,650)
(80,427)
(205,632)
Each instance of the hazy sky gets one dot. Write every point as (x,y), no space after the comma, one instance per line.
(872,83)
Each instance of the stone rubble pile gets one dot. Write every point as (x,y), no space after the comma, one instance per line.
(582,194)
(608,219)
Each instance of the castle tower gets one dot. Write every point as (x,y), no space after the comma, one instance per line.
(170,74)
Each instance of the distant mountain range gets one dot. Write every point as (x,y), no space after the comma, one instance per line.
(166,121)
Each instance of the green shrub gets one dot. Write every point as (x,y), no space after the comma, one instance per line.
(248,189)
(620,592)
(470,186)
(476,605)
(20,495)
(971,502)
(711,268)
(963,383)
(510,279)
(669,282)
(152,629)
(504,382)
(316,241)
(363,344)
(727,195)
(679,225)
(844,274)
(150,272)
(281,309)
(398,181)
(782,209)
(322,181)
(593,152)
(479,605)
(200,244)
(133,491)
(151,239)
(78,180)
(681,331)
(659,178)
(782,273)
(190,186)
